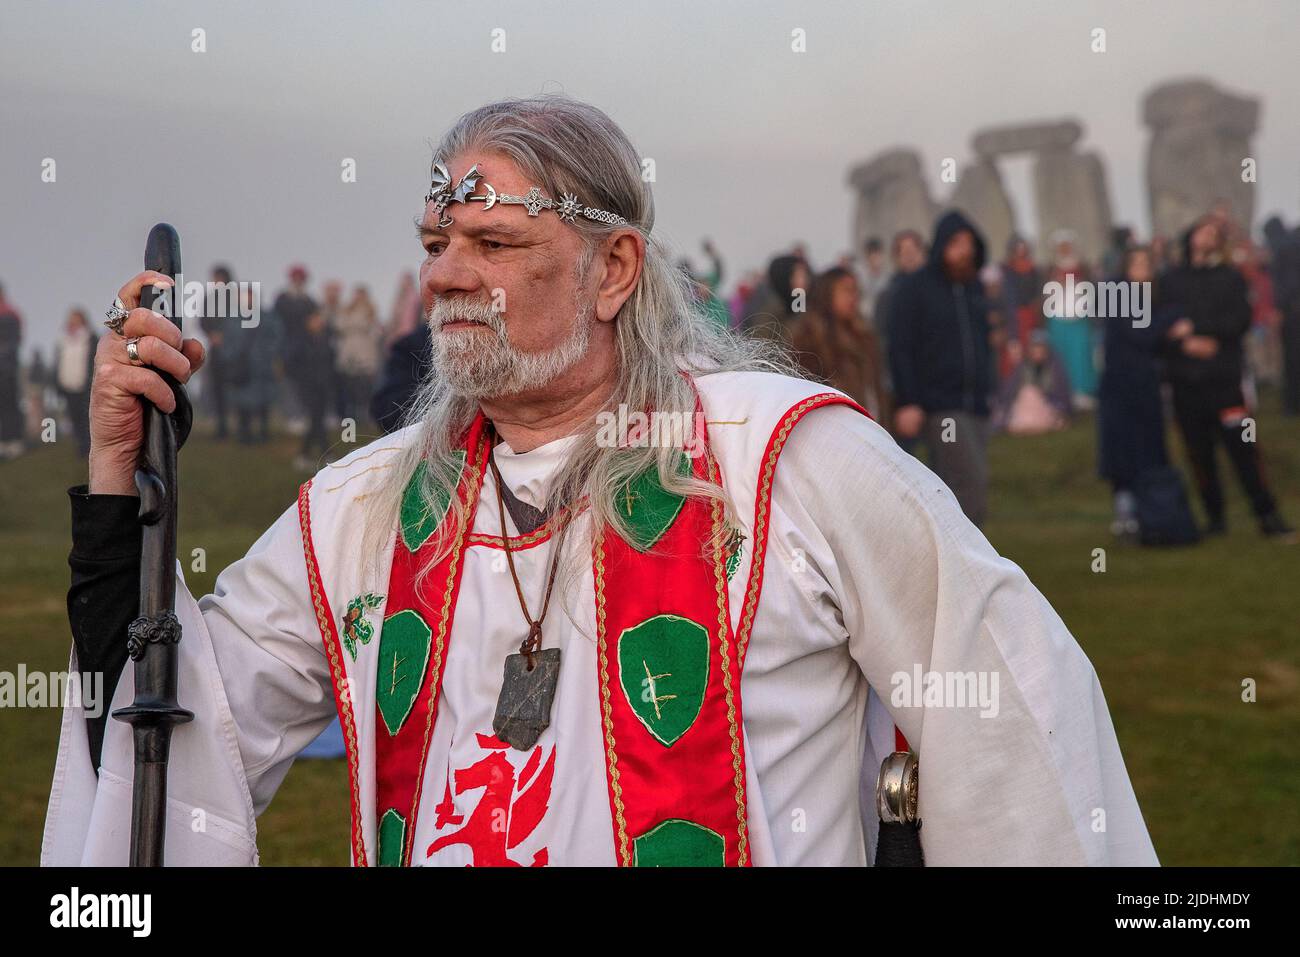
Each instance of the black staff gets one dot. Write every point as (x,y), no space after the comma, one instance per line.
(153,636)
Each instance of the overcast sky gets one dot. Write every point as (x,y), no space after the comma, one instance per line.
(240,146)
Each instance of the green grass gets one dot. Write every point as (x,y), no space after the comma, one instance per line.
(1172,633)
(229,495)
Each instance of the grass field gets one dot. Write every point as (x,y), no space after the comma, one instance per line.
(1172,633)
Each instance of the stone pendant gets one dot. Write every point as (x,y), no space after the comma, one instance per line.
(524,708)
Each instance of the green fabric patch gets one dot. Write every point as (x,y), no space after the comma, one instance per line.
(678,843)
(403,655)
(421,517)
(356,629)
(392,838)
(663,666)
(648,509)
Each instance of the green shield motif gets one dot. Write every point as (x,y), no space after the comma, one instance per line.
(403,655)
(663,666)
(650,510)
(679,843)
(392,838)
(420,516)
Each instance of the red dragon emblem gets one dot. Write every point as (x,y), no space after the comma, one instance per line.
(508,811)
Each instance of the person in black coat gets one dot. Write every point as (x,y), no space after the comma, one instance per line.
(313,372)
(407,363)
(1205,369)
(1130,416)
(11,414)
(939,359)
(1284,269)
(215,323)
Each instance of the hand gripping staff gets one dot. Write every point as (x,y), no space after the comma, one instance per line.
(153,637)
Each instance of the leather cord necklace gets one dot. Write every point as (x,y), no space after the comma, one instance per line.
(533,643)
(532,674)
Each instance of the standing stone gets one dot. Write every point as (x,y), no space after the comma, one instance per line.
(892,195)
(1070,187)
(1026,138)
(981,196)
(1071,192)
(1199,137)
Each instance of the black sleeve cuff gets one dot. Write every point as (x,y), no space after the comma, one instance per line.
(105,592)
(104,527)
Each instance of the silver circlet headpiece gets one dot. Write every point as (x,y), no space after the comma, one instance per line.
(442,193)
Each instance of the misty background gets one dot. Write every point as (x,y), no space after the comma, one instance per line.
(240,147)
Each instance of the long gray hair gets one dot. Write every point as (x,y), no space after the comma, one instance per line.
(563,145)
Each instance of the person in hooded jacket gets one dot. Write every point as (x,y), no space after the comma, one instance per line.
(1204,367)
(772,311)
(939,359)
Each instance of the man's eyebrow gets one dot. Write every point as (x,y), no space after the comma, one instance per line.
(498,228)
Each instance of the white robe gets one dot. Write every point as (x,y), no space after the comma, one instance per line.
(872,572)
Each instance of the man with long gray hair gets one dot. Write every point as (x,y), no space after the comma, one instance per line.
(622,591)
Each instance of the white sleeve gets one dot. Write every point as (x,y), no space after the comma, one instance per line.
(269,653)
(252,670)
(1034,776)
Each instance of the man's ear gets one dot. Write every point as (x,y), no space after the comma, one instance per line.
(622,255)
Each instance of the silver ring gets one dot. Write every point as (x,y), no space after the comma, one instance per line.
(133,351)
(115,318)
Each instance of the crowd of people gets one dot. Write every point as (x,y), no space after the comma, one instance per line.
(940,344)
(310,362)
(943,347)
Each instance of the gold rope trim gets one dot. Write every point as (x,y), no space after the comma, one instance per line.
(724,647)
(536,536)
(611,757)
(337,675)
(761,511)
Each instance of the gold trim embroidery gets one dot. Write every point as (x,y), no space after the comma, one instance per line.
(541,534)
(337,675)
(535,537)
(761,510)
(611,756)
(724,642)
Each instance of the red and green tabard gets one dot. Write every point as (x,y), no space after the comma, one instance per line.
(668,658)
(669,677)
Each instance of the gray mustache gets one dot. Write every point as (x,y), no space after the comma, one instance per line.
(445,311)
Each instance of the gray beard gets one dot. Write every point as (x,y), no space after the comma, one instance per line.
(482,363)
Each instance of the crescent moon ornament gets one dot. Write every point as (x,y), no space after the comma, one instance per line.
(491,197)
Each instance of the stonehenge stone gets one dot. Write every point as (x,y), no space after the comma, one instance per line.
(1070,189)
(1025,138)
(1199,137)
(891,195)
(981,196)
